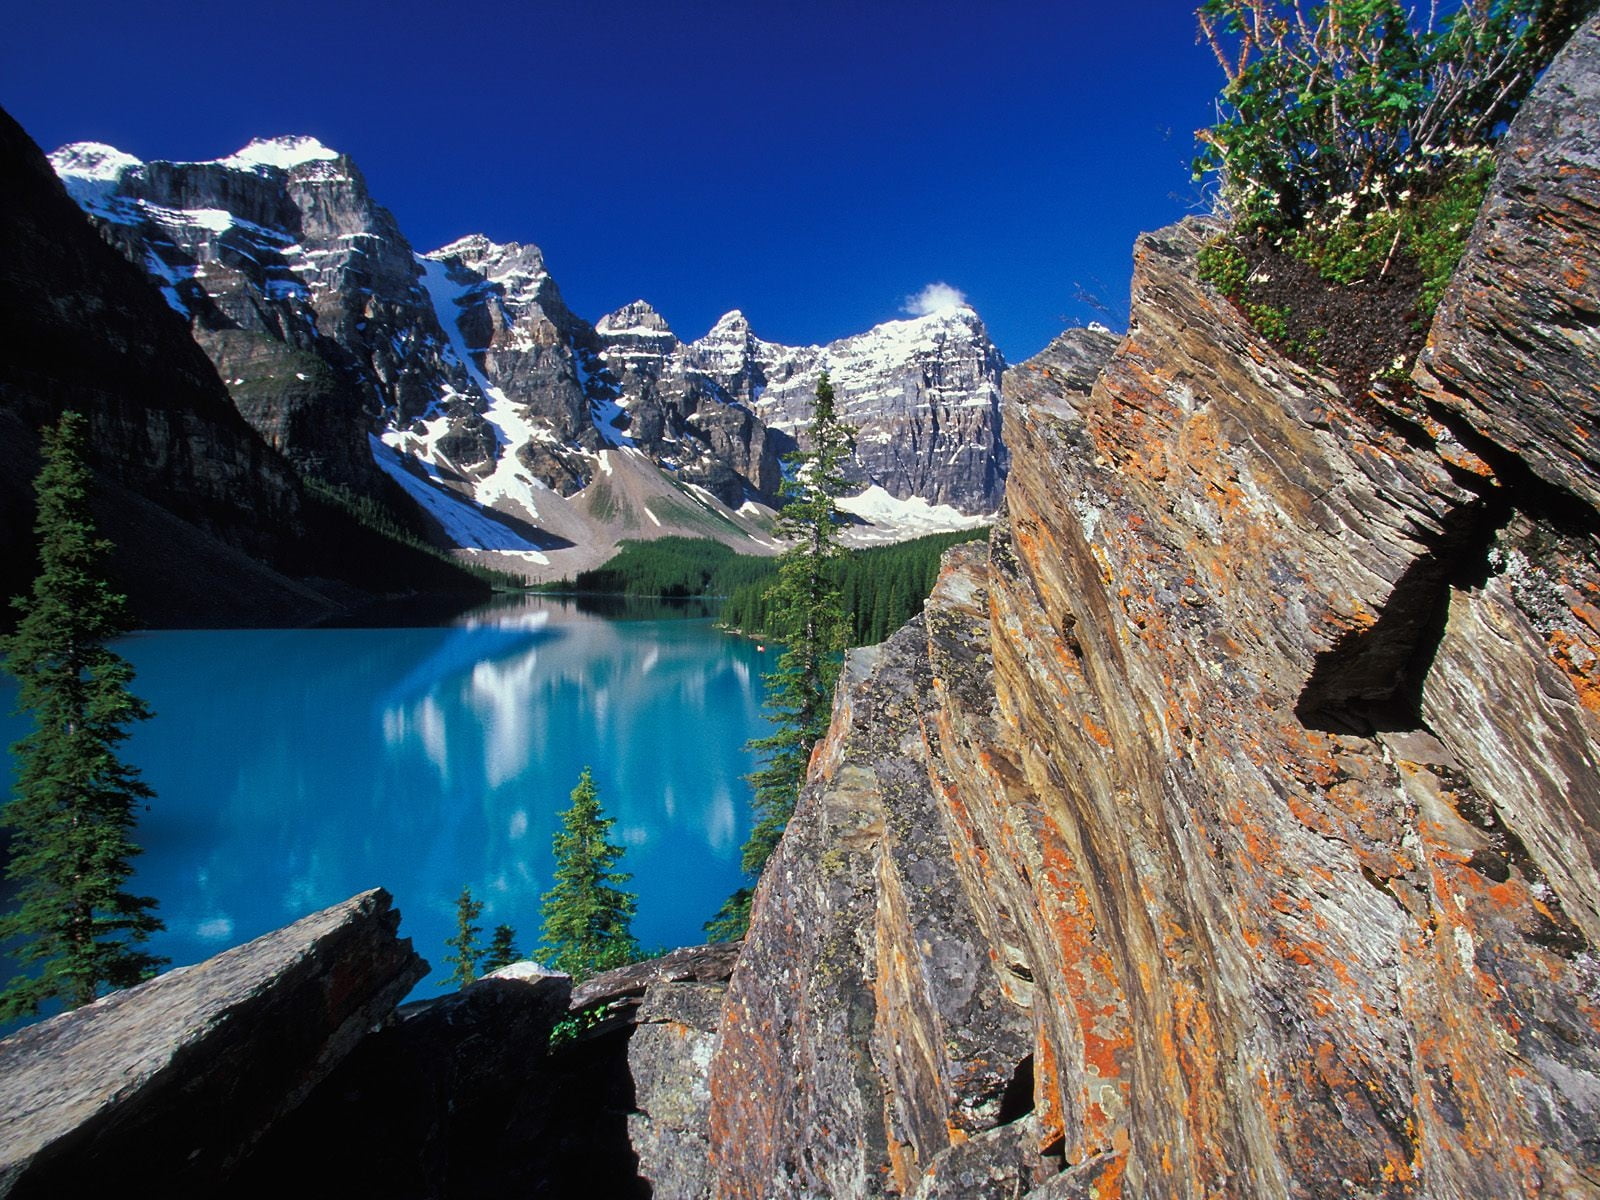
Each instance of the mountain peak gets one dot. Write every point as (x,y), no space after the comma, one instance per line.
(280,152)
(636,318)
(476,248)
(473,246)
(956,311)
(730,327)
(92,160)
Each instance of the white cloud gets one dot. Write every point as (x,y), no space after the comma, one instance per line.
(936,297)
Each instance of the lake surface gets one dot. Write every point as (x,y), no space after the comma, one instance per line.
(294,768)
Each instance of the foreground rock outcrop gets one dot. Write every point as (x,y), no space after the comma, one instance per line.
(1228,829)
(447,1100)
(286,1059)
(165,1087)
(467,1096)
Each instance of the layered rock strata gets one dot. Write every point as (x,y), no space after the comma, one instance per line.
(866,980)
(165,1087)
(1263,751)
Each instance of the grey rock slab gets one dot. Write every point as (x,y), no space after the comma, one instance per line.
(165,1085)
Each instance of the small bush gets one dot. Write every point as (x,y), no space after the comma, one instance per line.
(1333,109)
(1356,142)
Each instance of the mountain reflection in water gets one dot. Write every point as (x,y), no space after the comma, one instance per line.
(294,768)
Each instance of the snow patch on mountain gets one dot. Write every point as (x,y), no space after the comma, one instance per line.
(283,153)
(510,480)
(896,519)
(463,522)
(92,172)
(886,346)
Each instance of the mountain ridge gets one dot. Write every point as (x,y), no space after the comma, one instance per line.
(468,365)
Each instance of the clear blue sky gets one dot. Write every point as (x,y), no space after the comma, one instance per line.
(812,163)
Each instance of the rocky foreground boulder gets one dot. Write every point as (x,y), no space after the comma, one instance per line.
(232,1077)
(163,1088)
(470,1095)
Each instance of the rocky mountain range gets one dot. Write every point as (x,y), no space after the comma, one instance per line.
(462,375)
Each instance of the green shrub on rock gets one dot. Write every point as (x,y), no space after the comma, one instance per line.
(1355,140)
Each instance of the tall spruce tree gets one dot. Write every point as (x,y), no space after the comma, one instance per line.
(806,614)
(588,918)
(75,803)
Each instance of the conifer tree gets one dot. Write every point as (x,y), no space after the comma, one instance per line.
(464,962)
(807,615)
(502,949)
(75,803)
(587,916)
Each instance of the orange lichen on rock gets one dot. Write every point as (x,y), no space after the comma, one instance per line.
(1578,661)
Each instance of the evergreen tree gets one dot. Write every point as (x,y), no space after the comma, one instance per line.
(807,615)
(732,921)
(502,949)
(75,803)
(808,618)
(464,962)
(587,917)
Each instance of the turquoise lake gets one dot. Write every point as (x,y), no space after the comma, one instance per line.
(294,768)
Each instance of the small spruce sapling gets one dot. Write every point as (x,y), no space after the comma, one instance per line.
(502,949)
(467,952)
(588,918)
(806,613)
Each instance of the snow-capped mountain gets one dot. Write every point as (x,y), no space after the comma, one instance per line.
(462,375)
(300,288)
(923,394)
(684,419)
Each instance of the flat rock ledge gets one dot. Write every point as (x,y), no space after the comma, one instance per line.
(162,1088)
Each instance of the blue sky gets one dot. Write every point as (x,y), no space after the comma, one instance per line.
(810,163)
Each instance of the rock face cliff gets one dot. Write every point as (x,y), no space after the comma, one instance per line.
(923,395)
(297,285)
(191,497)
(1228,828)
